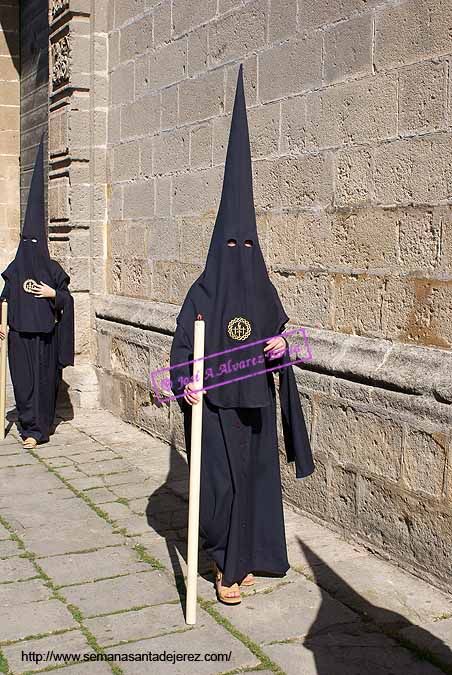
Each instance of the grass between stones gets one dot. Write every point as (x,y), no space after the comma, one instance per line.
(76,613)
(3,664)
(122,500)
(142,553)
(145,556)
(266,662)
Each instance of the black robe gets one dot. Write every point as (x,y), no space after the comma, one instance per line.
(241,511)
(41,330)
(36,360)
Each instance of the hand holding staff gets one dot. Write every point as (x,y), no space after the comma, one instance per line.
(195,474)
(3,349)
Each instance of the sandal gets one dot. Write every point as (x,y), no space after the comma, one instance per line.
(222,591)
(249,580)
(29,443)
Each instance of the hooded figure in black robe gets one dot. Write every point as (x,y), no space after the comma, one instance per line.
(241,512)
(41,329)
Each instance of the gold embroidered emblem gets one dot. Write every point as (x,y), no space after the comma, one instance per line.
(239,328)
(29,285)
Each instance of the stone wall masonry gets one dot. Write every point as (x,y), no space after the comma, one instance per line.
(340,133)
(349,112)
(78,90)
(9,130)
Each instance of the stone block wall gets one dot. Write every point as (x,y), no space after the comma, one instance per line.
(9,130)
(77,140)
(349,112)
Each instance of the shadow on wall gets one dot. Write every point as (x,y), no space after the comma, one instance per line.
(9,24)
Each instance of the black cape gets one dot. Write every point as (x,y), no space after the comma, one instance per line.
(235,287)
(41,330)
(26,313)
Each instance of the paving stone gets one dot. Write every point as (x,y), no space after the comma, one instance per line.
(124,478)
(436,637)
(17,481)
(169,552)
(51,511)
(381,591)
(16,460)
(8,548)
(22,592)
(139,505)
(11,449)
(71,538)
(10,441)
(111,595)
(108,466)
(72,642)
(204,639)
(117,511)
(329,548)
(31,500)
(100,495)
(135,524)
(136,625)
(13,569)
(71,472)
(65,450)
(287,612)
(68,449)
(116,438)
(58,462)
(39,617)
(4,533)
(87,482)
(94,456)
(82,567)
(347,654)
(94,668)
(134,490)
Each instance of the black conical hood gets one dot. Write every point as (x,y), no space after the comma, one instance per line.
(34,221)
(236,215)
(32,262)
(234,294)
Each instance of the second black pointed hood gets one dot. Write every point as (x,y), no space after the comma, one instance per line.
(234,294)
(32,262)
(34,220)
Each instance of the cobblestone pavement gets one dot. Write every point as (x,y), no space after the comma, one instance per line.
(92,548)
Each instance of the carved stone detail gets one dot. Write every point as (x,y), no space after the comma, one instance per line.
(58,7)
(61,61)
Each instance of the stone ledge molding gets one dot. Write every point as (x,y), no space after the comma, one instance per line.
(401,368)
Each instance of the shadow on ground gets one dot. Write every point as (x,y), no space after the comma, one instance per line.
(354,648)
(374,640)
(167,514)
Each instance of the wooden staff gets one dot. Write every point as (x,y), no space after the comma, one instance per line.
(4,347)
(195,474)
